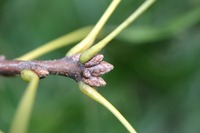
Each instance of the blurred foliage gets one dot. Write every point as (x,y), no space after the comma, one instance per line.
(155,83)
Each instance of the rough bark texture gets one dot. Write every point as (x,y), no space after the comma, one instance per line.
(89,72)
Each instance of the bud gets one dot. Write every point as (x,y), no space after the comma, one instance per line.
(94,81)
(94,61)
(94,68)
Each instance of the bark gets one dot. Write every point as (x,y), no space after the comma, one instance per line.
(89,72)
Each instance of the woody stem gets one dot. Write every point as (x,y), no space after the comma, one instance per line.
(66,66)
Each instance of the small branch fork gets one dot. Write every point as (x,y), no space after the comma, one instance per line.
(68,66)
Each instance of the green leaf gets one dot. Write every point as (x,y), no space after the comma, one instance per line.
(22,116)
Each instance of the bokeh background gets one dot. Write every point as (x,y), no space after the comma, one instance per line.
(155,83)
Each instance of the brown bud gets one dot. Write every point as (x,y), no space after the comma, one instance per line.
(94,81)
(94,61)
(99,69)
(93,69)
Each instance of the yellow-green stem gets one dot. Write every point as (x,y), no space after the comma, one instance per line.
(89,53)
(65,40)
(22,115)
(92,93)
(88,41)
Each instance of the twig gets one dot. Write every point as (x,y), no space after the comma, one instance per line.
(68,66)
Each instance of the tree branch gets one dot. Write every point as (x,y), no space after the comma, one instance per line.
(68,66)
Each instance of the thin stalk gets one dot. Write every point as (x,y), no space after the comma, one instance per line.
(65,40)
(92,93)
(88,41)
(96,48)
(22,116)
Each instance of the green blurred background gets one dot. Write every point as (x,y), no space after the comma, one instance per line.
(155,83)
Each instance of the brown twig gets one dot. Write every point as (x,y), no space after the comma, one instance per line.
(89,72)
